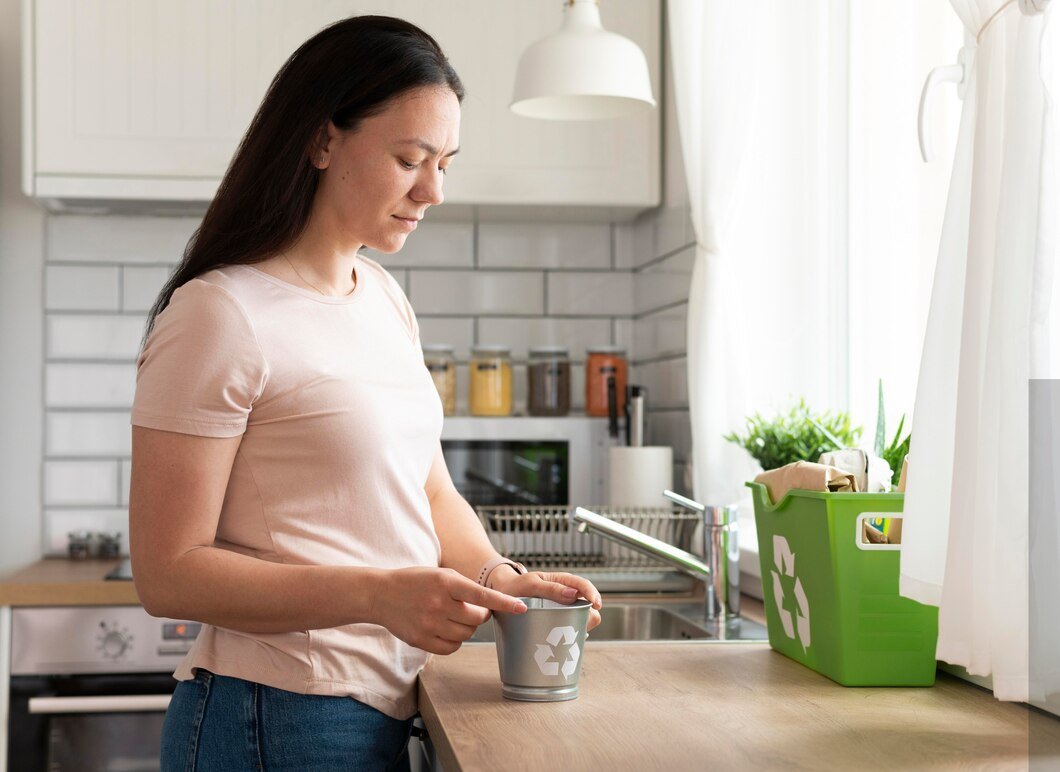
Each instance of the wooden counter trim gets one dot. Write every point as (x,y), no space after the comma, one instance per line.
(733,706)
(62,582)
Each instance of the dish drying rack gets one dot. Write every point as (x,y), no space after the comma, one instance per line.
(543,538)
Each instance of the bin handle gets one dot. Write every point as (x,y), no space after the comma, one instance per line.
(860,529)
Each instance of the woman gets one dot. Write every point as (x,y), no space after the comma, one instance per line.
(288,486)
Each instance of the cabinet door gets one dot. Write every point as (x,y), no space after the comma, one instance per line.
(146,98)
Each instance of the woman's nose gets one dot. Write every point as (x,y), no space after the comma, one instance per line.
(428,188)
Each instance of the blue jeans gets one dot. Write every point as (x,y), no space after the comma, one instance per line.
(219,723)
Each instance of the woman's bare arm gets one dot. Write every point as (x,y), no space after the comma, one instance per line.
(178,486)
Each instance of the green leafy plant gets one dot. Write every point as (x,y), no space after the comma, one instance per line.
(798,435)
(896,452)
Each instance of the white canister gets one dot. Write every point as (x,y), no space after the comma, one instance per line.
(637,476)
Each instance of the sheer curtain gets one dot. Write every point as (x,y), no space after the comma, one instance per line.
(965,541)
(758,129)
(714,47)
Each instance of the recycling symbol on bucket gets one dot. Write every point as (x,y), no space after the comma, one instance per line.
(784,560)
(560,641)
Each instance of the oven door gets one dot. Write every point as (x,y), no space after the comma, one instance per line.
(88,722)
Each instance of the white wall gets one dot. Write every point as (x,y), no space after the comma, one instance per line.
(664,247)
(21,354)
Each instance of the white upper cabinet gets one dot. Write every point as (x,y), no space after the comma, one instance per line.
(146,100)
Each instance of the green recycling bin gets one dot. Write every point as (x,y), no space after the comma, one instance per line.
(831,599)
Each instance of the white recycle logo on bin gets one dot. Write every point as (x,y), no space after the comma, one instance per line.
(561,641)
(784,559)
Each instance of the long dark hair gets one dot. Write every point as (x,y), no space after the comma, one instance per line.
(347,72)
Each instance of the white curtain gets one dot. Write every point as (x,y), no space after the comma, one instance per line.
(965,539)
(713,45)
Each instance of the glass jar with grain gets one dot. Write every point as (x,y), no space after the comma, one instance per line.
(548,381)
(491,381)
(601,363)
(441,364)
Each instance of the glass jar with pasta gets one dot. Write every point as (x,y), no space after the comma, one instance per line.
(491,381)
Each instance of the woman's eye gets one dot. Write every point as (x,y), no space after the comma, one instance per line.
(406,164)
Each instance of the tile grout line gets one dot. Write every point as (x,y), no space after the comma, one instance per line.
(662,258)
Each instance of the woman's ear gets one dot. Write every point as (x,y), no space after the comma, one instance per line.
(320,152)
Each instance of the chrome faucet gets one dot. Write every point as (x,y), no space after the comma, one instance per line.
(720,572)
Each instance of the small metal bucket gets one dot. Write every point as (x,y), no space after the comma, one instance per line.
(540,652)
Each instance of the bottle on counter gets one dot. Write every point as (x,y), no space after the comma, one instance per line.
(441,364)
(491,381)
(603,362)
(548,381)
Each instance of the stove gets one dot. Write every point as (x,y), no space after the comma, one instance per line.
(89,686)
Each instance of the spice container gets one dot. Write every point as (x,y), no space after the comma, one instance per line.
(491,381)
(548,381)
(79,545)
(109,544)
(442,367)
(604,362)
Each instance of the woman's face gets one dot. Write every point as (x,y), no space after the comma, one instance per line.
(379,180)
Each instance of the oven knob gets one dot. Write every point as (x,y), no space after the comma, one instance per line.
(114,644)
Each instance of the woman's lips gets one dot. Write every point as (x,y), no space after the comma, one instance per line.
(408,222)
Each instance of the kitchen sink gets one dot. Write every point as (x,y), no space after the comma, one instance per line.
(636,622)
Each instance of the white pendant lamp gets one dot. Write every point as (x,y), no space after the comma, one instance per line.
(583,72)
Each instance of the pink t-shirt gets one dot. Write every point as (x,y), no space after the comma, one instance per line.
(340,422)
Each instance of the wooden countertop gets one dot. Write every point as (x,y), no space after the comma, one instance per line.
(731,706)
(62,582)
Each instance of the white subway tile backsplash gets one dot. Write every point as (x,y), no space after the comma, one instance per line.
(464,280)
(58,523)
(544,245)
(625,246)
(90,385)
(623,334)
(672,428)
(521,334)
(477,292)
(666,381)
(665,282)
(643,235)
(119,239)
(590,294)
(87,433)
(84,483)
(672,230)
(660,333)
(141,285)
(434,245)
(81,288)
(455,331)
(126,477)
(94,337)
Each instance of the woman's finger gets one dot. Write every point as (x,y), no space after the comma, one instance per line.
(595,618)
(582,586)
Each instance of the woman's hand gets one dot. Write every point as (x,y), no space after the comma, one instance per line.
(435,609)
(560,587)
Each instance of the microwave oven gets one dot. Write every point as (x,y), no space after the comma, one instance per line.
(527,460)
